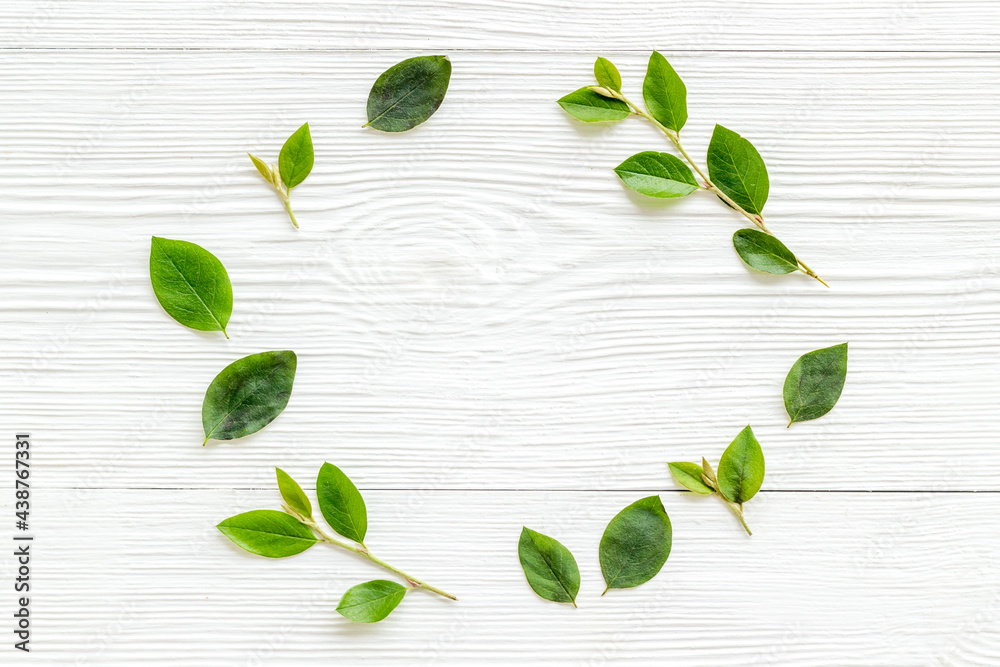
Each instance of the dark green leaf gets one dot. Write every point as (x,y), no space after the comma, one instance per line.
(263,168)
(635,544)
(341,503)
(741,468)
(607,75)
(296,158)
(664,93)
(814,384)
(689,475)
(764,252)
(586,105)
(191,284)
(736,167)
(248,394)
(657,175)
(408,93)
(292,494)
(268,533)
(371,601)
(549,567)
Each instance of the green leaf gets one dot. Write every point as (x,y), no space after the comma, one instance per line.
(408,93)
(607,75)
(664,93)
(657,175)
(635,544)
(341,503)
(764,252)
(741,468)
(296,158)
(586,105)
(371,601)
(814,384)
(263,168)
(549,567)
(191,284)
(689,475)
(293,494)
(268,533)
(248,394)
(736,167)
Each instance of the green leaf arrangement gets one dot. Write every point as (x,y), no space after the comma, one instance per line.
(736,173)
(740,475)
(247,395)
(408,93)
(191,284)
(275,534)
(295,161)
(814,383)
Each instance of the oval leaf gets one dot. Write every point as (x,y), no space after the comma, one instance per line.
(296,158)
(408,93)
(586,105)
(247,395)
(191,284)
(268,533)
(741,468)
(736,167)
(635,544)
(689,475)
(607,75)
(657,175)
(292,494)
(764,252)
(814,384)
(371,601)
(549,567)
(341,503)
(664,93)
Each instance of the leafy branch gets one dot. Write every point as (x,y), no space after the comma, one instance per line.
(294,163)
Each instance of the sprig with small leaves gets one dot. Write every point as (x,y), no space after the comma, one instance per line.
(294,163)
(275,534)
(736,172)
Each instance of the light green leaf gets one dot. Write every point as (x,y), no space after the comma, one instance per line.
(296,158)
(664,93)
(689,475)
(263,168)
(549,567)
(408,93)
(341,503)
(268,533)
(635,544)
(191,284)
(741,468)
(248,394)
(372,601)
(586,105)
(736,167)
(607,75)
(292,494)
(657,175)
(764,252)
(815,382)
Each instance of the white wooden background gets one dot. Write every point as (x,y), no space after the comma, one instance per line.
(492,332)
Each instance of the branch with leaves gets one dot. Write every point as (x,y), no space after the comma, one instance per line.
(295,161)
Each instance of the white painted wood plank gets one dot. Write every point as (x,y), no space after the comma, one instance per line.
(479,302)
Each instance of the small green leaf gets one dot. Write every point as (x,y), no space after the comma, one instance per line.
(764,252)
(607,75)
(549,567)
(341,503)
(296,158)
(586,105)
(741,468)
(263,168)
(248,394)
(657,175)
(635,544)
(814,384)
(191,284)
(689,475)
(371,601)
(736,167)
(268,533)
(293,494)
(408,93)
(664,93)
